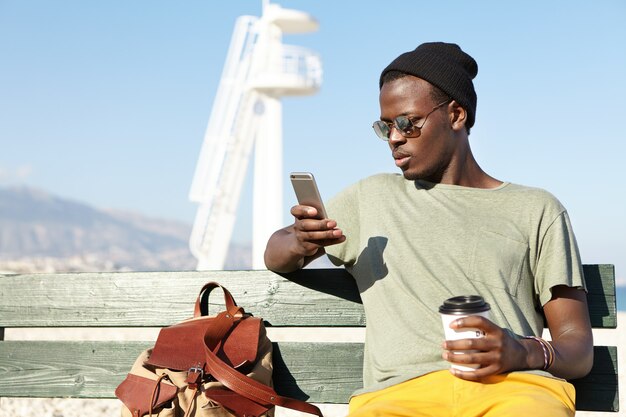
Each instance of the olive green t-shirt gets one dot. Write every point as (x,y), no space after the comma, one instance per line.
(412,244)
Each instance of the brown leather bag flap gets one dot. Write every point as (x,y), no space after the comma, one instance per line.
(181,346)
(241,347)
(136,391)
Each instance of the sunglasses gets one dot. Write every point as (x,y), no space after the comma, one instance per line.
(403,124)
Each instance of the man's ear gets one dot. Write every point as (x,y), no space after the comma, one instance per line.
(458,116)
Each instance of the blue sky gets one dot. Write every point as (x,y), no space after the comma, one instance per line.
(107,102)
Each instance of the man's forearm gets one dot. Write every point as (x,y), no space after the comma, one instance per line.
(567,315)
(573,356)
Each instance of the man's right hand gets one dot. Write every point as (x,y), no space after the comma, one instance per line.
(294,246)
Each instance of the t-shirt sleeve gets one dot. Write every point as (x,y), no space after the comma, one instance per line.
(558,260)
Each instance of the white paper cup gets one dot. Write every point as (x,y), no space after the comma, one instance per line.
(462,306)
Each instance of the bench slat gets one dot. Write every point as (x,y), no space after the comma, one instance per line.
(156,299)
(601,295)
(65,368)
(325,372)
(598,391)
(317,372)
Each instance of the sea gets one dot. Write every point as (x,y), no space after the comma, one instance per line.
(621,298)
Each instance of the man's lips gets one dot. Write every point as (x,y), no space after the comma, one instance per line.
(401,158)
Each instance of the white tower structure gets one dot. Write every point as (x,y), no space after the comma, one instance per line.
(247,116)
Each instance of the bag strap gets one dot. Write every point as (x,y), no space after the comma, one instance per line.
(229,301)
(243,384)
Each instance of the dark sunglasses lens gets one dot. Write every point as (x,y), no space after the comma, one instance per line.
(404,124)
(381,129)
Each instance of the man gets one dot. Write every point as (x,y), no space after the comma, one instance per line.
(446,228)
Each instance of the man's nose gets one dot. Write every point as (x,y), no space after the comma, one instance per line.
(395,136)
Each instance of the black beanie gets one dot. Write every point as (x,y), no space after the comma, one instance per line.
(445,66)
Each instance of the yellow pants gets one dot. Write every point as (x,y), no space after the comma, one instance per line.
(441,394)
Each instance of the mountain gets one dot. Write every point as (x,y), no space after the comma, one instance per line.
(52,233)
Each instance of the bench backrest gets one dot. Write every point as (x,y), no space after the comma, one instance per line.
(325,372)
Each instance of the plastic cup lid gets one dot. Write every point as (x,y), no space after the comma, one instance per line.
(464,304)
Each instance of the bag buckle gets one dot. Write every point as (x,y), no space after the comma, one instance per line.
(194,376)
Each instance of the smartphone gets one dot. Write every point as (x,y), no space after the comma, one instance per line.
(307,193)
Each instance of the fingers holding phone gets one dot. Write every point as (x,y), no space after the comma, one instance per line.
(302,211)
(313,235)
(312,225)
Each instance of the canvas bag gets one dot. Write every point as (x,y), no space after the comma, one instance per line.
(207,366)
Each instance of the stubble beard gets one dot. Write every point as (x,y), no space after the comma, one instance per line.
(432,174)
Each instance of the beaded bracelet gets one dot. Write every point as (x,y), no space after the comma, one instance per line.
(552,353)
(548,351)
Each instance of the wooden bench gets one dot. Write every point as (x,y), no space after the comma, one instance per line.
(325,372)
